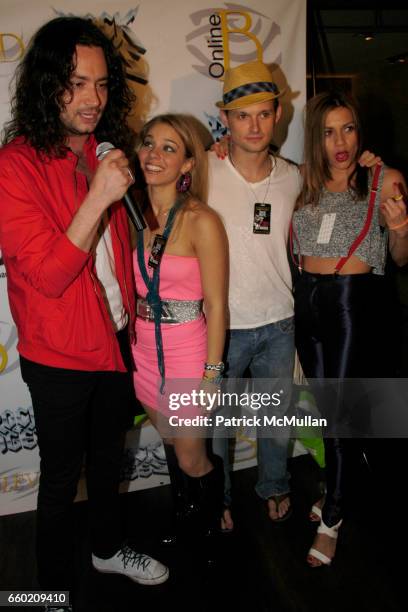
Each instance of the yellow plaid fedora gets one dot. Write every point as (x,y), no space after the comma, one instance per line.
(247,84)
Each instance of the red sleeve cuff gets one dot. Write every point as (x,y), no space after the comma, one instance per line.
(65,264)
(70,257)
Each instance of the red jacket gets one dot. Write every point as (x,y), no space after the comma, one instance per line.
(55,296)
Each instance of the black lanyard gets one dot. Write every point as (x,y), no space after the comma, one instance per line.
(152,285)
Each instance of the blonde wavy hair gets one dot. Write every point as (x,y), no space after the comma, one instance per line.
(186,127)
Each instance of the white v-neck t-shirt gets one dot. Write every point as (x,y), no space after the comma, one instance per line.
(260,284)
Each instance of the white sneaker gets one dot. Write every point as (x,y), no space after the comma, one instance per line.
(136,566)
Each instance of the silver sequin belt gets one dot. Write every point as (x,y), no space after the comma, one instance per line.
(173,311)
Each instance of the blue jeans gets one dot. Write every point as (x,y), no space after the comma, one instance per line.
(267,352)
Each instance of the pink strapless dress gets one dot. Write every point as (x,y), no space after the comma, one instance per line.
(184,344)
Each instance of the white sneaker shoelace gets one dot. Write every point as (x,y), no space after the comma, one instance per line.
(133,558)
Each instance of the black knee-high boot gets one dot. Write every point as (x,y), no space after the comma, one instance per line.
(177,480)
(198,505)
(178,487)
(205,509)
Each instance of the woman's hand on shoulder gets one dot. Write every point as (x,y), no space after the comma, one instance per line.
(220,147)
(368,159)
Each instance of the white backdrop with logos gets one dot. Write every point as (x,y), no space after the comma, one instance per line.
(182,51)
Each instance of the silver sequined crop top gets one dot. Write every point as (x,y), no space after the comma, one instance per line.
(350,216)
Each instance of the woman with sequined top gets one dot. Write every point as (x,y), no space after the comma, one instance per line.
(347,217)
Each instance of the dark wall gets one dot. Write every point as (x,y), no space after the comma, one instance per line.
(383,95)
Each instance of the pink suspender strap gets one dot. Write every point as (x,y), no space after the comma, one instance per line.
(366,227)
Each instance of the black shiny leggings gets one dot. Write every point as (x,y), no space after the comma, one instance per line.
(339,332)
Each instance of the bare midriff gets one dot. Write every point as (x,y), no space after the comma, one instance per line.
(327,265)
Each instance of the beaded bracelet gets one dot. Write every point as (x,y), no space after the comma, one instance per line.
(394,227)
(219,367)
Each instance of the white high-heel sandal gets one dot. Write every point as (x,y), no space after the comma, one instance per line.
(315,513)
(315,510)
(332,532)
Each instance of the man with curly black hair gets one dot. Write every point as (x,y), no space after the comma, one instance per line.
(65,241)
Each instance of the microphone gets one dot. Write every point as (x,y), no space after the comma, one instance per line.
(132,208)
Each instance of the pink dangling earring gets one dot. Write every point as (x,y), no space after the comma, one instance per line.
(184,182)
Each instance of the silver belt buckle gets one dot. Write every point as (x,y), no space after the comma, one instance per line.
(143,310)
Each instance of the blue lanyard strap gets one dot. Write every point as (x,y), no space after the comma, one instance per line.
(152,286)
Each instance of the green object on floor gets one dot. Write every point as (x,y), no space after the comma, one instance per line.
(310,437)
(139,418)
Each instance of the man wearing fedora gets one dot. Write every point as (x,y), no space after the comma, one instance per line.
(255,193)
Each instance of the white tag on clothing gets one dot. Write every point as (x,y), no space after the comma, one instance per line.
(326,228)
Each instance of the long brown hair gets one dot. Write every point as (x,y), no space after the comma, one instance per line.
(185,126)
(316,169)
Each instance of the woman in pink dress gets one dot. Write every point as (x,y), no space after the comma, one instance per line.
(181,266)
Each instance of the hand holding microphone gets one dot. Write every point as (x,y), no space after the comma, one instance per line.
(131,206)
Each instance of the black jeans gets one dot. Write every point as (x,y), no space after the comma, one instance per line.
(77,414)
(341,330)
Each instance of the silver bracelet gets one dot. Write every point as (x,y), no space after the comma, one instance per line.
(219,367)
